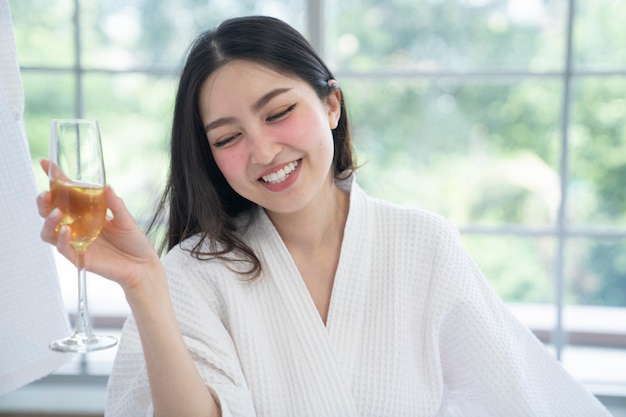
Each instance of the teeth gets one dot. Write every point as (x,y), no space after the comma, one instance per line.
(281,174)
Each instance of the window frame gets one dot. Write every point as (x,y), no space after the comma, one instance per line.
(557,336)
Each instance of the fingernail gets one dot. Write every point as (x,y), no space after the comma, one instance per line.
(55,212)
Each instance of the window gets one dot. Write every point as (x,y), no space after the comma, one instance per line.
(506,116)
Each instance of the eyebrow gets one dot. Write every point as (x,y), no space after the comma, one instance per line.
(258,105)
(267,97)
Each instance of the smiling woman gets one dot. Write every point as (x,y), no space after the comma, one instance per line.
(287,127)
(444,123)
(237,88)
(339,282)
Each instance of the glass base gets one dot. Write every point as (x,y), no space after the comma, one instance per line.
(83,342)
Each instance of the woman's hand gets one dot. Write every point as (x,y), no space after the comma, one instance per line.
(124,254)
(121,253)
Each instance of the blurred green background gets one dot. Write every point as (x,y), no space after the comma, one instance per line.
(468,108)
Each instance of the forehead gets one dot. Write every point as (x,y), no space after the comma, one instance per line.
(245,79)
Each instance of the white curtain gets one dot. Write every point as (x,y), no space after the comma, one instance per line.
(31,309)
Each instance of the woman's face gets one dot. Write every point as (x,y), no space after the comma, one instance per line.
(270,135)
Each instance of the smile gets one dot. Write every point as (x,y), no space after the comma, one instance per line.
(281,174)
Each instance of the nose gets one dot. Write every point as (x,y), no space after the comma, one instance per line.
(263,150)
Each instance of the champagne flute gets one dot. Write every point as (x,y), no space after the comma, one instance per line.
(77,180)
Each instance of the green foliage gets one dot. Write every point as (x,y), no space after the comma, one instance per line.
(488,150)
(43,32)
(529,281)
(483,150)
(608,269)
(447,35)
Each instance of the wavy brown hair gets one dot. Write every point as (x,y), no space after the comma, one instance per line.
(197,198)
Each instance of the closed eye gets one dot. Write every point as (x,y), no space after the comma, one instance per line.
(281,114)
(223,142)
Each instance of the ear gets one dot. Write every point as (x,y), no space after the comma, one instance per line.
(333,104)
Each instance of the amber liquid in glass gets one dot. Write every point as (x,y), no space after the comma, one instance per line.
(83,208)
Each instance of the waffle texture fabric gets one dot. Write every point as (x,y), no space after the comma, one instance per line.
(413,329)
(31,308)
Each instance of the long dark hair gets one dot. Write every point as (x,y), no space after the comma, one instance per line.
(197,198)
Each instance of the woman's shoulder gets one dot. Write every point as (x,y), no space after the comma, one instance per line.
(388,213)
(209,258)
(201,247)
(387,209)
(195,257)
(197,277)
(184,250)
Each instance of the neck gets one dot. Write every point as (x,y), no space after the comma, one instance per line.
(318,226)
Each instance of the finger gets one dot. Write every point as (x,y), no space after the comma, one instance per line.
(43,204)
(45,164)
(49,231)
(63,242)
(121,215)
(53,170)
(57,234)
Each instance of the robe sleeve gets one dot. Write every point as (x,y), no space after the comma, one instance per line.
(492,364)
(206,337)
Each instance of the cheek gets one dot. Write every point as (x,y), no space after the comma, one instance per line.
(229,163)
(308,130)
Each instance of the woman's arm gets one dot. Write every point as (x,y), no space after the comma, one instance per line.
(176,387)
(122,253)
(492,364)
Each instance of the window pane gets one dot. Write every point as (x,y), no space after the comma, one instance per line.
(520,269)
(594,317)
(597,188)
(44,32)
(144,33)
(446,35)
(478,153)
(596,272)
(134,111)
(48,95)
(600,48)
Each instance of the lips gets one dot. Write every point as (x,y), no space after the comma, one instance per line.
(282,174)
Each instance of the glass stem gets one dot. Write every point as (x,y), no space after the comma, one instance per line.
(83,326)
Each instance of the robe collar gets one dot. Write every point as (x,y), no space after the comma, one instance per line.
(332,347)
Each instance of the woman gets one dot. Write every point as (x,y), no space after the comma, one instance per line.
(286,290)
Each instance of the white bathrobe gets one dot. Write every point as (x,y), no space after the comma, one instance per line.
(413,330)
